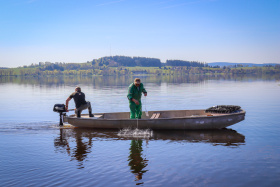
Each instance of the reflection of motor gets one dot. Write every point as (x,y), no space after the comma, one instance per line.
(61,109)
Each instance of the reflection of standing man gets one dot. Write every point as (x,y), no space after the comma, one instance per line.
(136,162)
(134,96)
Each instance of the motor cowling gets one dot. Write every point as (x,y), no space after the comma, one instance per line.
(59,108)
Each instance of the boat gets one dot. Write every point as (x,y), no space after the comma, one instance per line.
(211,118)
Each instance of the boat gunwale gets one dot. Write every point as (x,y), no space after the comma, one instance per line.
(241,112)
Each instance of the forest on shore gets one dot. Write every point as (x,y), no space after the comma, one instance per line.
(123,65)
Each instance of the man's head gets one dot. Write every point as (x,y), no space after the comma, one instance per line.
(137,82)
(78,89)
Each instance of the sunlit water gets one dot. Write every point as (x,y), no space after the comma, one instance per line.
(36,152)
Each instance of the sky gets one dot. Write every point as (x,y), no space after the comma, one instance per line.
(239,31)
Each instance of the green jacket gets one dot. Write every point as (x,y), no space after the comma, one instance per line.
(134,93)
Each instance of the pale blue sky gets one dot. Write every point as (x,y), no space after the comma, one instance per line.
(242,31)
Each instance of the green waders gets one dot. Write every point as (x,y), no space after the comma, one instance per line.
(135,110)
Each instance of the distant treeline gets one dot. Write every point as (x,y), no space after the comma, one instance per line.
(116,61)
(185,63)
(123,65)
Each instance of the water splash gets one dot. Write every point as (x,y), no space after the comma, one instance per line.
(135,133)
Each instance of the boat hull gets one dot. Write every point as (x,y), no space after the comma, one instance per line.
(175,120)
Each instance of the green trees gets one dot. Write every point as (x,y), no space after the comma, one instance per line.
(115,61)
(184,63)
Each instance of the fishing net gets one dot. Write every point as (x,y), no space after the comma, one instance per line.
(223,109)
(146,111)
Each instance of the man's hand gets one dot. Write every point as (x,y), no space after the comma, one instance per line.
(135,101)
(145,94)
(66,108)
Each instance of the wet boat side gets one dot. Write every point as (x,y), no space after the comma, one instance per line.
(199,120)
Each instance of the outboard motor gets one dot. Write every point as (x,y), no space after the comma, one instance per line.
(60,108)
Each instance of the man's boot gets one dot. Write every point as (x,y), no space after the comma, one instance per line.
(78,114)
(89,110)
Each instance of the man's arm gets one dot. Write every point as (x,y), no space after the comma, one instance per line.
(130,95)
(67,101)
(144,91)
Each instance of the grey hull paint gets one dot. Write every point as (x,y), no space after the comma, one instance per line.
(175,120)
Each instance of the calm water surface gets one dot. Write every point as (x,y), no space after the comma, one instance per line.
(35,152)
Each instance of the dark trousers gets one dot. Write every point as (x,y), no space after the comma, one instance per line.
(83,107)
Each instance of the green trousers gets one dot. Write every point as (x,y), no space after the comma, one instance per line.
(135,110)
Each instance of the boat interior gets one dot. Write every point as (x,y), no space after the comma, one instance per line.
(153,114)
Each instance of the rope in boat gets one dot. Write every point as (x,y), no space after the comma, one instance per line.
(146,111)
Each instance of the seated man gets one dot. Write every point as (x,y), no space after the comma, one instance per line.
(80,102)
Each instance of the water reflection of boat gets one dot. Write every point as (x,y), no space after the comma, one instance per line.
(226,137)
(85,137)
(171,119)
(137,161)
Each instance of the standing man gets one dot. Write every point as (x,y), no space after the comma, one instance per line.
(80,102)
(134,96)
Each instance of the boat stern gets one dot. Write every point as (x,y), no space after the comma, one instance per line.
(65,118)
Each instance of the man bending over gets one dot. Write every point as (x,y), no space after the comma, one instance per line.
(80,102)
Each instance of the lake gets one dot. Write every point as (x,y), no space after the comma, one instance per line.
(36,152)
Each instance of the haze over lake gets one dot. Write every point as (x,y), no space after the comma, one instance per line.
(36,152)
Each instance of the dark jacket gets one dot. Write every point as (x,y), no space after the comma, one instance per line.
(79,98)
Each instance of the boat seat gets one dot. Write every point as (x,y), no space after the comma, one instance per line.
(98,116)
(155,115)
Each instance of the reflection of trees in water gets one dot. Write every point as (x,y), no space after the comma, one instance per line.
(136,161)
(103,81)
